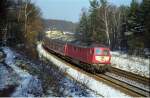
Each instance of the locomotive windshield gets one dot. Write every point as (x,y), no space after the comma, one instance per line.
(97,51)
(105,52)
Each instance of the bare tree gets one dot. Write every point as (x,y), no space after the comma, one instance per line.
(104,19)
(27,2)
(115,26)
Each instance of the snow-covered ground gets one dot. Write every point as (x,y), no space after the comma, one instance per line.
(137,65)
(71,88)
(99,87)
(57,83)
(5,77)
(29,85)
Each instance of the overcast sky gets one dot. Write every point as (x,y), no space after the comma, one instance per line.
(69,10)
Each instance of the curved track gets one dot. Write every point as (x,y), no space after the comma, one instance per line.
(132,76)
(127,88)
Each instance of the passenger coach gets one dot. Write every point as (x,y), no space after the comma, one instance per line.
(94,57)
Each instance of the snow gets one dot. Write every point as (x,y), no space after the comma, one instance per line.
(10,61)
(58,83)
(68,33)
(97,86)
(6,79)
(64,36)
(30,85)
(72,88)
(132,64)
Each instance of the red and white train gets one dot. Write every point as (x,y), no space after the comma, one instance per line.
(92,57)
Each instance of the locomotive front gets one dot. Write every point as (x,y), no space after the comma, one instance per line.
(101,59)
(102,55)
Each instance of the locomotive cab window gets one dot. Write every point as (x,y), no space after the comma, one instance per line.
(105,52)
(97,51)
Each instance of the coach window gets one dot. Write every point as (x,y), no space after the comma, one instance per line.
(74,48)
(79,49)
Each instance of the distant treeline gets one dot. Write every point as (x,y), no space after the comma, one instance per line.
(61,25)
(118,27)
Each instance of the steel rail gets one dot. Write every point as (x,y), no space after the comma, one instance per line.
(126,86)
(107,80)
(131,76)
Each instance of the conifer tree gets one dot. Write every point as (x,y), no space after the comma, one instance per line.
(135,26)
(93,19)
(145,9)
(83,27)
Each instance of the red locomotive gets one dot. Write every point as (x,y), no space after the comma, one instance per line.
(92,57)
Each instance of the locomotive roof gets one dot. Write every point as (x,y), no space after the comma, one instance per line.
(56,40)
(86,45)
(79,43)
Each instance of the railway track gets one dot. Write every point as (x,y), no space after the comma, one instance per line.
(127,88)
(131,76)
(124,86)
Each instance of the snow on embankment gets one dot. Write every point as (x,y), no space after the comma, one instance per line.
(132,64)
(8,80)
(29,85)
(90,82)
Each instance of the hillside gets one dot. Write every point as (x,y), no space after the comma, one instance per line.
(61,25)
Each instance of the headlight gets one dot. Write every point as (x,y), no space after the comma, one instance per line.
(102,58)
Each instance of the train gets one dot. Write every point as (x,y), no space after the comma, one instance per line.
(93,58)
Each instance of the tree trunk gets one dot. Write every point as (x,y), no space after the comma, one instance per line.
(106,27)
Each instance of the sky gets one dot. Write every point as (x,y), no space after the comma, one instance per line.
(69,10)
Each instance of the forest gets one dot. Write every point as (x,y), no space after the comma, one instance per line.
(119,27)
(20,24)
(60,25)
